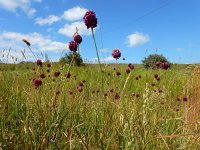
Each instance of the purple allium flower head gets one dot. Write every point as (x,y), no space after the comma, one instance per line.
(33,69)
(42,76)
(48,65)
(158,64)
(128,70)
(137,95)
(68,75)
(117,96)
(78,39)
(160,91)
(57,73)
(48,70)
(73,46)
(178,99)
(185,99)
(137,78)
(118,73)
(153,84)
(158,78)
(131,66)
(39,62)
(90,19)
(80,89)
(111,90)
(116,53)
(81,84)
(165,65)
(155,76)
(37,82)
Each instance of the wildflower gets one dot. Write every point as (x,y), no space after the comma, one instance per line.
(42,76)
(137,95)
(185,99)
(37,82)
(165,65)
(81,84)
(156,76)
(139,76)
(105,94)
(118,73)
(90,19)
(39,62)
(80,89)
(178,99)
(158,64)
(131,66)
(128,70)
(73,46)
(68,75)
(111,90)
(78,39)
(153,84)
(116,53)
(48,70)
(48,65)
(57,73)
(27,42)
(117,96)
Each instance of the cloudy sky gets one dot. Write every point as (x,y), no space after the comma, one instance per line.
(136,27)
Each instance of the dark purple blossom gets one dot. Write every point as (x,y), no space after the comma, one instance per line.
(78,39)
(57,73)
(117,96)
(185,99)
(42,76)
(116,53)
(165,65)
(128,70)
(90,19)
(73,46)
(131,66)
(80,88)
(37,82)
(48,65)
(39,62)
(68,75)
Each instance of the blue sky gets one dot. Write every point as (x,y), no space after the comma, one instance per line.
(136,27)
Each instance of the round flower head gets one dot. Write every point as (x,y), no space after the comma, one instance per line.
(78,39)
(131,66)
(39,63)
(116,53)
(57,73)
(37,82)
(73,46)
(165,65)
(128,70)
(90,19)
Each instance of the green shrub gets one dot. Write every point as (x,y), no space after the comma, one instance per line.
(151,60)
(77,59)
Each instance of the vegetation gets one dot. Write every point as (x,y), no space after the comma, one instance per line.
(74,58)
(133,111)
(152,61)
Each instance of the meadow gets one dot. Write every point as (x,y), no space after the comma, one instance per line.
(131,111)
(98,106)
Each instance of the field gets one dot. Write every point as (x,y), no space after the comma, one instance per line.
(79,111)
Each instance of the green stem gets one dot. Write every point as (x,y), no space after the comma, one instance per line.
(95,44)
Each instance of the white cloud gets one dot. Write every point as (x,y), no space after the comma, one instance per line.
(137,39)
(49,20)
(104,50)
(25,5)
(178,49)
(38,42)
(104,60)
(70,29)
(74,14)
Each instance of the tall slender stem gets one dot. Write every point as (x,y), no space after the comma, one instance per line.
(98,57)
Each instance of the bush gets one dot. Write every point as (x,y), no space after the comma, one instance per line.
(153,61)
(68,59)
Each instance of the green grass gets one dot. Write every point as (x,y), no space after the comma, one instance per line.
(41,119)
